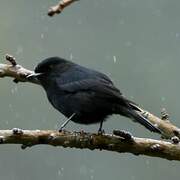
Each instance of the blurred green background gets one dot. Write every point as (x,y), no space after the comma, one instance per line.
(135,42)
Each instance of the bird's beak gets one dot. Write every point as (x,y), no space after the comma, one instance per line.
(34,76)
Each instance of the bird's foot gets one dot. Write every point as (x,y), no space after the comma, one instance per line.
(61,129)
(17,131)
(124,134)
(101,132)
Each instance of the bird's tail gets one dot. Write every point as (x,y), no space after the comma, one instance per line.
(135,115)
(133,111)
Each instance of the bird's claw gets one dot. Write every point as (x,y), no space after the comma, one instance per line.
(61,129)
(17,131)
(101,132)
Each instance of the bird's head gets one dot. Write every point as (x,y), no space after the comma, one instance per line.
(50,66)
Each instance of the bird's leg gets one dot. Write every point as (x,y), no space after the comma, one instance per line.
(66,122)
(101,131)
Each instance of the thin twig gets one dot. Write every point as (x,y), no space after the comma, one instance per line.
(57,9)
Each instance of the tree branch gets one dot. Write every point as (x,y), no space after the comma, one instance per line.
(121,142)
(57,9)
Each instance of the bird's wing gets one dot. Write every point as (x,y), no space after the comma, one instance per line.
(98,88)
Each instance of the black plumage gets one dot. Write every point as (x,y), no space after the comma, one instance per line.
(84,95)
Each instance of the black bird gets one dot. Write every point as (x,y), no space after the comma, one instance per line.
(84,95)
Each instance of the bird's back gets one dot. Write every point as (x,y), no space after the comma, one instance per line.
(78,73)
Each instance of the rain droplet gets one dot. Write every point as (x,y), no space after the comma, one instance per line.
(71,56)
(128,43)
(163,98)
(177,35)
(114,59)
(79,22)
(19,50)
(60,171)
(42,36)
(121,21)
(14,89)
(147,162)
